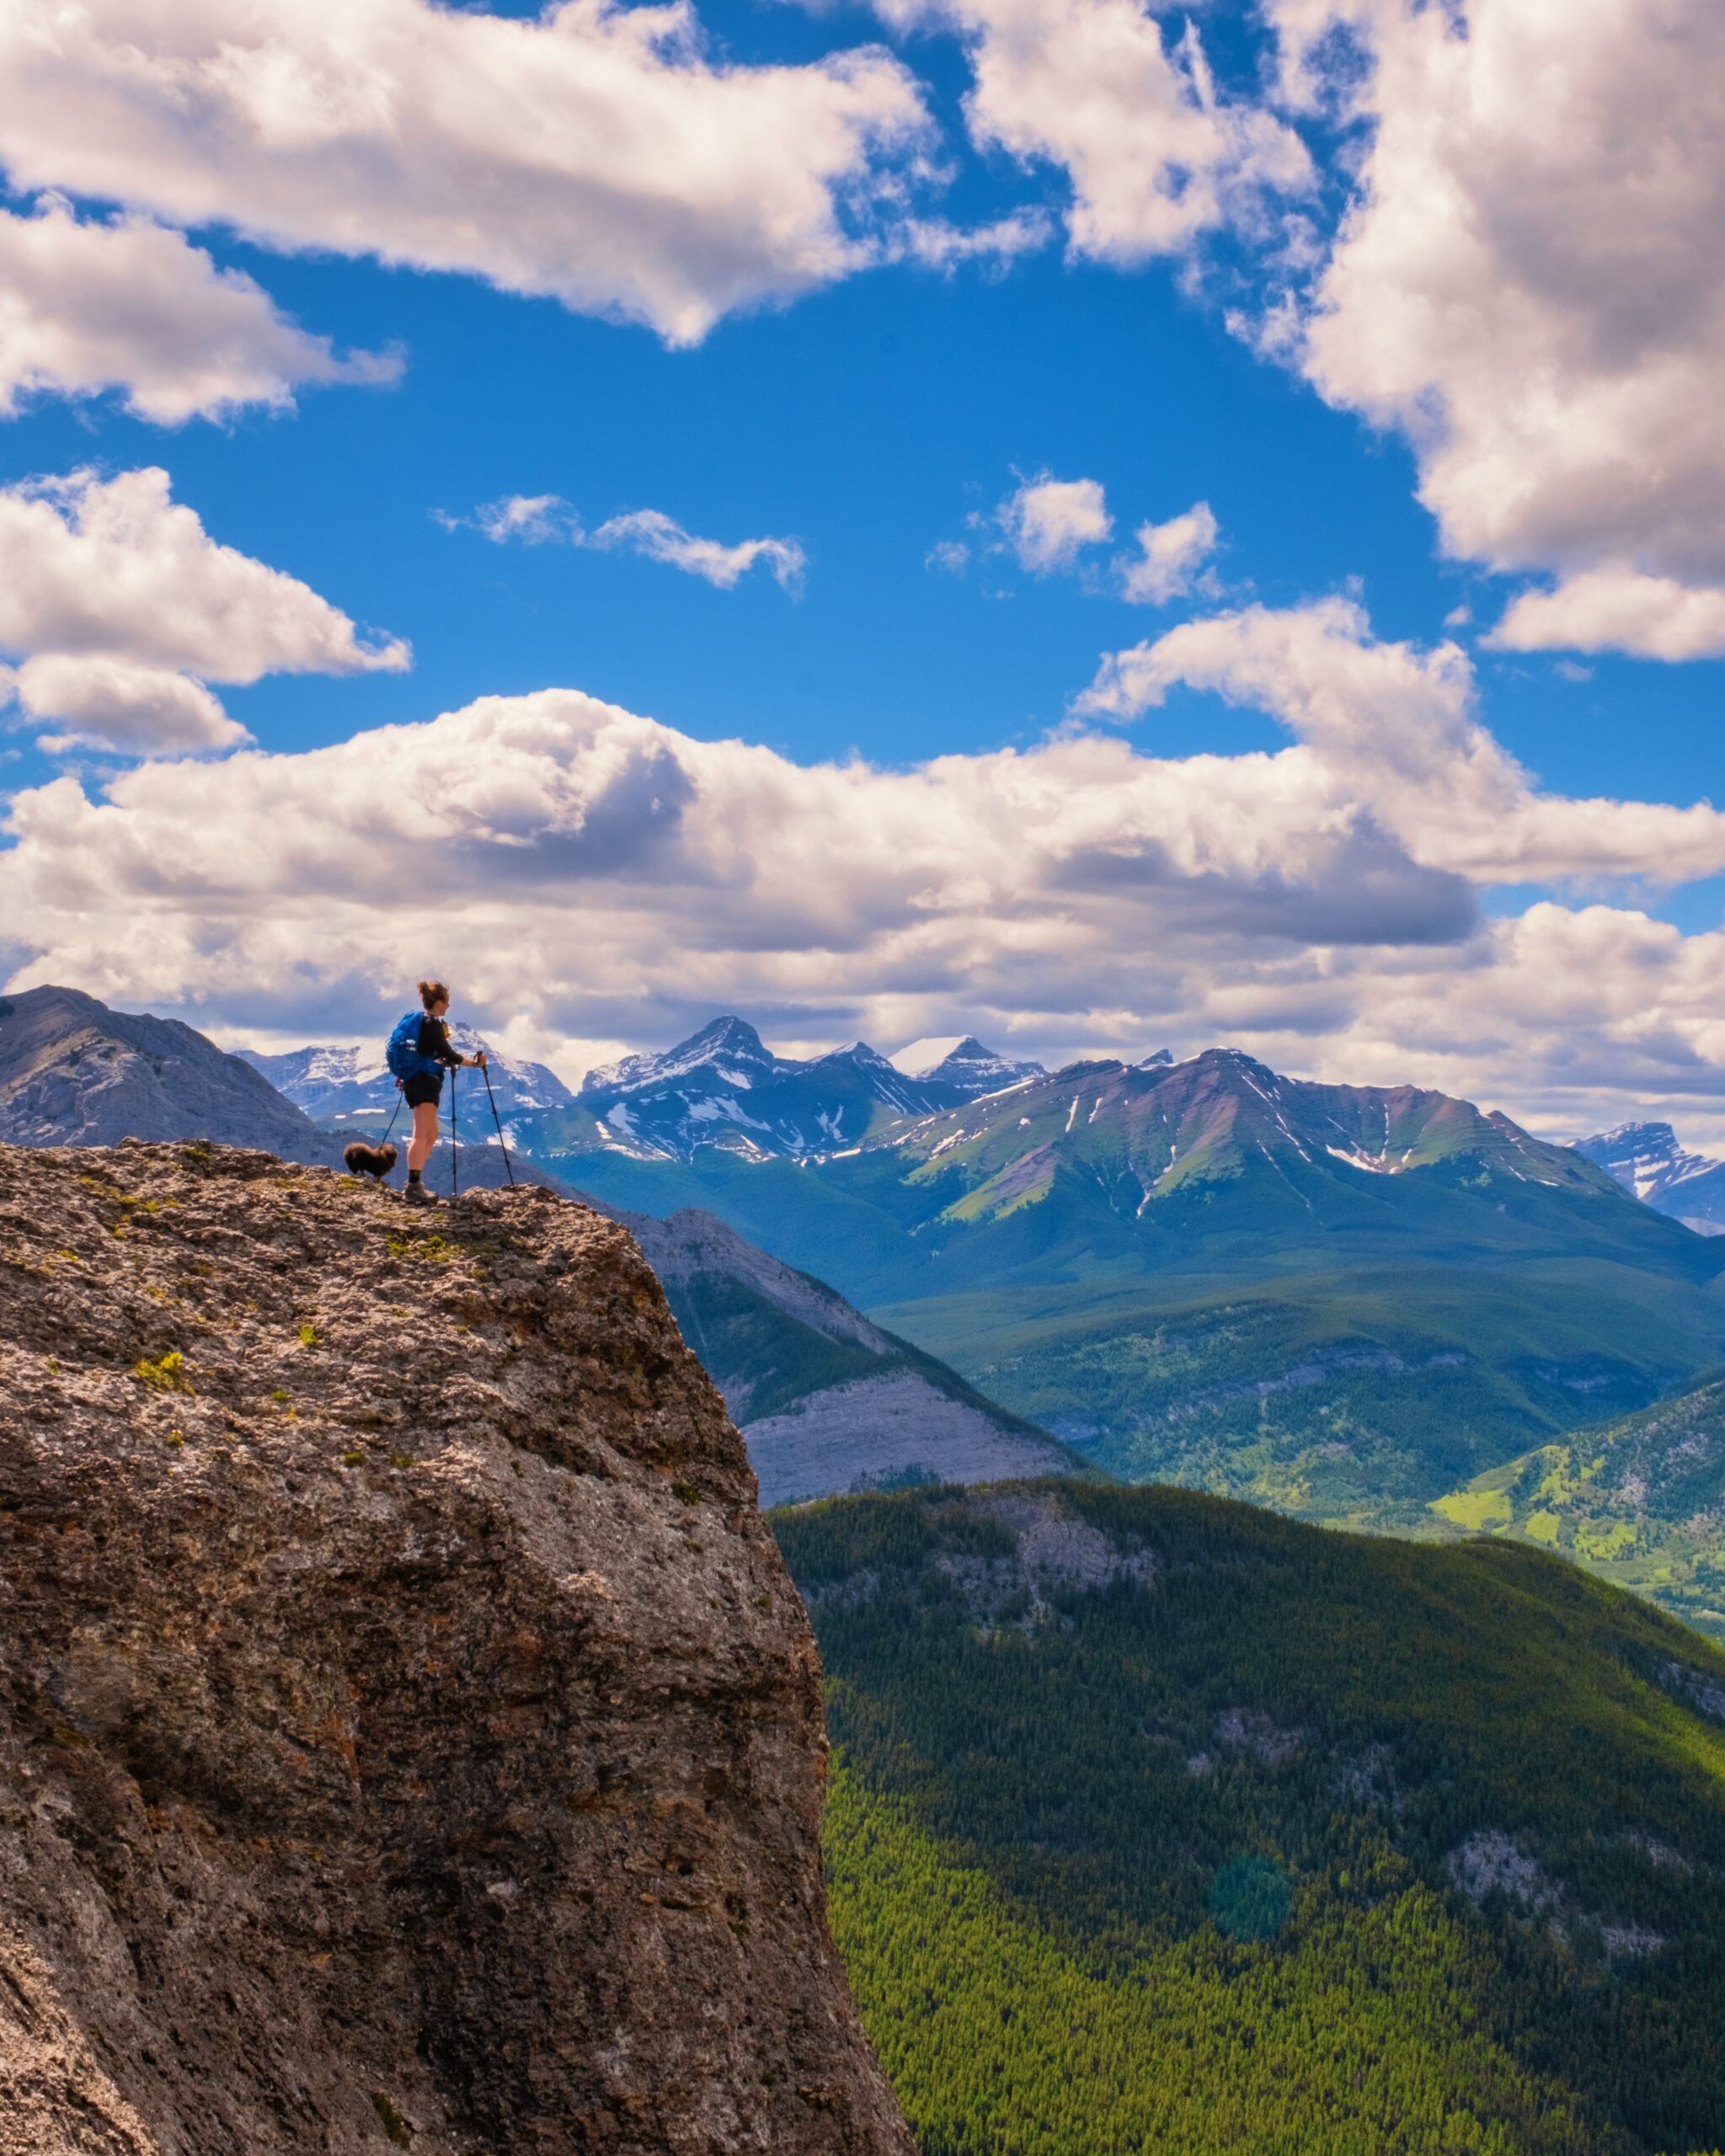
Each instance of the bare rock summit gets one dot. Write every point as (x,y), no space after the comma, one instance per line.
(408,1733)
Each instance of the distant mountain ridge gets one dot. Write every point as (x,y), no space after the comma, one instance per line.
(1646,1159)
(1344,1301)
(72,1072)
(1151,1134)
(344,1085)
(827,1401)
(723,1090)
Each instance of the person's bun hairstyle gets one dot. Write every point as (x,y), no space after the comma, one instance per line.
(432,993)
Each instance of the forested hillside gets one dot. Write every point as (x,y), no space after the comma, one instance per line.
(1162,1824)
(1640,1499)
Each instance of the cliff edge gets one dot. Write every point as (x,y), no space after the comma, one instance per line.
(409,1734)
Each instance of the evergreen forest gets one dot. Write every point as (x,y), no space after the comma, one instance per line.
(1159,1822)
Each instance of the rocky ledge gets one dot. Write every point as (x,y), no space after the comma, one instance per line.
(408,1733)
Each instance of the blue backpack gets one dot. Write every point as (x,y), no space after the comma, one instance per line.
(402,1054)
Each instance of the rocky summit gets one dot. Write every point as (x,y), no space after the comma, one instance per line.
(409,1734)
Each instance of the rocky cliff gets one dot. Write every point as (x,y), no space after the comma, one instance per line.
(408,1732)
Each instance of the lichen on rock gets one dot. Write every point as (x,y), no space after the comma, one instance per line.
(408,1730)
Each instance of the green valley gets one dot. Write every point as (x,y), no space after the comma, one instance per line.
(1161,1823)
(1354,1397)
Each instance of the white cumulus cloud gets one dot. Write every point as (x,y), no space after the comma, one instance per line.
(116,703)
(1404,725)
(130,306)
(1616,608)
(1317,905)
(122,607)
(1169,557)
(1048,522)
(594,152)
(1155,155)
(1529,284)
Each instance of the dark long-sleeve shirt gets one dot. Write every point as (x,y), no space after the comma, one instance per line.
(435,1042)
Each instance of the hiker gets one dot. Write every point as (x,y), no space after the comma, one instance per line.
(420,1052)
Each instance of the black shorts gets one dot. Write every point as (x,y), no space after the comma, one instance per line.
(424,1090)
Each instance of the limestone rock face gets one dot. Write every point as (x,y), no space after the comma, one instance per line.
(408,1733)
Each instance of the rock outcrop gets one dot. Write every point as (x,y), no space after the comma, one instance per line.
(408,1733)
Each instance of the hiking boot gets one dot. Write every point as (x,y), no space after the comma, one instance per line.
(415,1193)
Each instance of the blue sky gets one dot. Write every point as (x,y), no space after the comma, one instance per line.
(869,415)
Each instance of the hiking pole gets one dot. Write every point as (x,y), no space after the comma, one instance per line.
(455,1140)
(485,1073)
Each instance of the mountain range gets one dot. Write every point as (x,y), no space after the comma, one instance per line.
(1349,1303)
(1646,1158)
(724,1091)
(1345,1301)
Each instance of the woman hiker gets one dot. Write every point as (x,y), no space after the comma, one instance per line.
(421,1051)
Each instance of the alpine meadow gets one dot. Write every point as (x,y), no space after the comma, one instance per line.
(862,1078)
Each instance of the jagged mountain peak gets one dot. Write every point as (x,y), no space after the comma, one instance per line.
(728,1046)
(1646,1158)
(727,1032)
(854,1052)
(723,1089)
(964,1062)
(1646,1133)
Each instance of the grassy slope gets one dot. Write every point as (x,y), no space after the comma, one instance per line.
(1639,1500)
(1040,1902)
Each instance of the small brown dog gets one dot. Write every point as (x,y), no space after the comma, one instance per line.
(364,1160)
